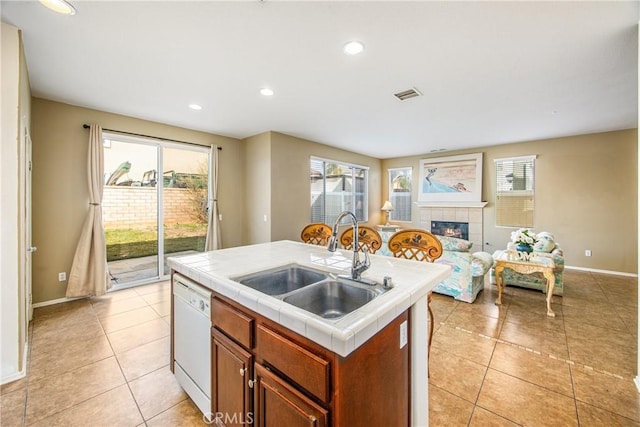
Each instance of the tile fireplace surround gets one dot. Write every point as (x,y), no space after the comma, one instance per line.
(461,213)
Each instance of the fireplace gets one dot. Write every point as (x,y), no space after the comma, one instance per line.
(470,214)
(459,230)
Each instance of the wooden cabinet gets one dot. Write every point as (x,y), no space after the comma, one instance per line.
(231,394)
(276,377)
(279,404)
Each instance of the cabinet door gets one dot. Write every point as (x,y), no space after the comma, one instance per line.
(279,404)
(231,371)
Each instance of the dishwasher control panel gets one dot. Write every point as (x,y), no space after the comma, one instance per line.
(195,295)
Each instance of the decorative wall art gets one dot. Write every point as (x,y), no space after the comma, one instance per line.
(451,179)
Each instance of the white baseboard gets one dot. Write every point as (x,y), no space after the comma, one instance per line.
(595,270)
(14,377)
(54,301)
(20,374)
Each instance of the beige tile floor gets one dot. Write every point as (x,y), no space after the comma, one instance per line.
(104,361)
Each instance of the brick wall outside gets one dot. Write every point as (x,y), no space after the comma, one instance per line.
(135,207)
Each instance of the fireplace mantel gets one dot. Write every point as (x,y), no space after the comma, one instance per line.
(451,204)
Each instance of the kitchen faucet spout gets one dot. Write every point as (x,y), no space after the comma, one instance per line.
(357,266)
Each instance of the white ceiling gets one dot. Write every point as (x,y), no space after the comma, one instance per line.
(490,72)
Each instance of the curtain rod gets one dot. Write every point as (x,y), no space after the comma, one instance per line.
(149,136)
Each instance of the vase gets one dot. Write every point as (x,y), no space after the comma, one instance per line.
(522,247)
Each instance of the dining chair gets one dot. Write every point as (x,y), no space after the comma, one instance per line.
(369,239)
(316,233)
(418,245)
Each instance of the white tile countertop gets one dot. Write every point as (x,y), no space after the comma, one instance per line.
(412,281)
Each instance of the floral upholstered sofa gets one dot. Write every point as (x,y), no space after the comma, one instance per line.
(467,269)
(545,247)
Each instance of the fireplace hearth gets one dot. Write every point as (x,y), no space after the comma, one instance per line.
(459,230)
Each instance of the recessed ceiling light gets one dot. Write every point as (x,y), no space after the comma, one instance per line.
(353,48)
(265,91)
(60,6)
(195,107)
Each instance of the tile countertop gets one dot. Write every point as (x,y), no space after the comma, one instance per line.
(412,280)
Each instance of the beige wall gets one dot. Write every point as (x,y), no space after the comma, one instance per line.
(585,193)
(277,171)
(290,194)
(582,183)
(257,190)
(60,195)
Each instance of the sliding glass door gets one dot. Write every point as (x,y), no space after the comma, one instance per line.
(184,201)
(152,189)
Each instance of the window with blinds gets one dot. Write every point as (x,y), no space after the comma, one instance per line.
(337,187)
(400,194)
(515,191)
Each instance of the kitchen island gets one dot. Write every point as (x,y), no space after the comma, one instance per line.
(334,347)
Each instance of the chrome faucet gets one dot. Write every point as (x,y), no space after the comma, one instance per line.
(357,266)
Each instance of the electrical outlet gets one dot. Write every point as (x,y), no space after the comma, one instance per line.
(404,338)
(220,217)
(62,277)
(587,252)
(264,217)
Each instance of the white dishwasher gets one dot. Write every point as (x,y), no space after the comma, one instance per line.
(192,340)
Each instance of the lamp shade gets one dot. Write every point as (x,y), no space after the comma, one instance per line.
(387,206)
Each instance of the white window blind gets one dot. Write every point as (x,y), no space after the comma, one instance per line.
(336,187)
(515,178)
(400,194)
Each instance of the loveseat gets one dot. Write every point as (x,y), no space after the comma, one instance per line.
(545,247)
(467,269)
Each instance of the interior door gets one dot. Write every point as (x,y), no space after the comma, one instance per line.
(28,308)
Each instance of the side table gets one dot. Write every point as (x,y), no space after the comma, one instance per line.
(510,259)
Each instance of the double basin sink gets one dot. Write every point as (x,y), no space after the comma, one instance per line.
(316,291)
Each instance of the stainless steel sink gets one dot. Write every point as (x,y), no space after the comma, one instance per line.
(332,299)
(315,291)
(282,280)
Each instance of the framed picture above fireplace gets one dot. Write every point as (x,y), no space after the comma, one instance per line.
(451,179)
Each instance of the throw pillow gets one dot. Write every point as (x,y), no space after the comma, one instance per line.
(545,242)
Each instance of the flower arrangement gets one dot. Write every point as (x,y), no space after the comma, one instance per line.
(524,236)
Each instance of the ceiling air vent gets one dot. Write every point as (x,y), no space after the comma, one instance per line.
(407,94)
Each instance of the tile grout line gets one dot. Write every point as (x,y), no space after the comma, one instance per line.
(551,356)
(33,325)
(126,381)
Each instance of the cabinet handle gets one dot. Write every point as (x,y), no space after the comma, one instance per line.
(242,371)
(252,383)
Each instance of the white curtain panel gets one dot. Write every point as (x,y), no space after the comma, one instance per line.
(88,274)
(214,239)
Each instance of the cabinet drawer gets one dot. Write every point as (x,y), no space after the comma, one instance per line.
(308,370)
(232,322)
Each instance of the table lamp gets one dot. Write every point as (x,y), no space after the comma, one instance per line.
(387,207)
